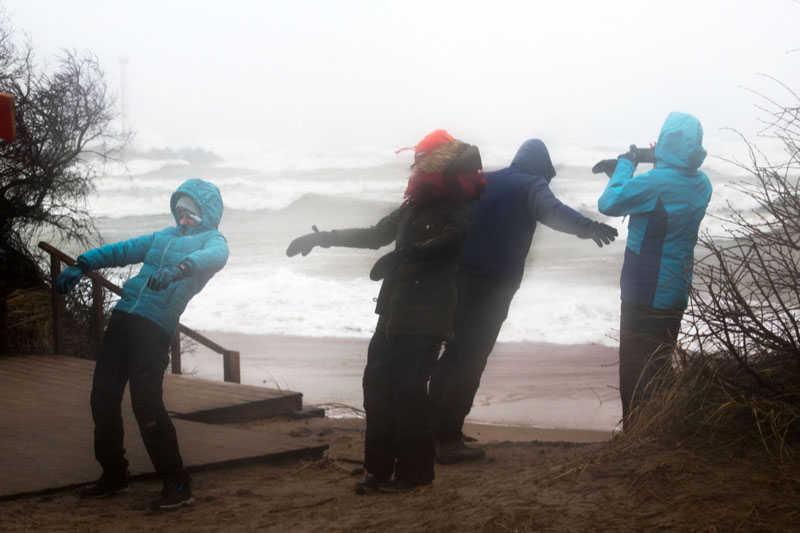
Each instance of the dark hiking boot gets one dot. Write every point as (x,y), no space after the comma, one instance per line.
(173,495)
(400,486)
(455,451)
(104,487)
(370,485)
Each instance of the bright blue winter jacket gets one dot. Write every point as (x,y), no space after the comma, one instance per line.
(666,206)
(202,245)
(505,218)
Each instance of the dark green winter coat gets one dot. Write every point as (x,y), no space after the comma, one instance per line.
(420,297)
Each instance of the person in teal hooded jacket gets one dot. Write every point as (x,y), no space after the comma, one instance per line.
(666,206)
(177,262)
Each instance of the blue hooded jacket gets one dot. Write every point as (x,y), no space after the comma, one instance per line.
(505,217)
(666,206)
(202,245)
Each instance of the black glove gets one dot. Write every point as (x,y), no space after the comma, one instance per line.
(600,233)
(167,275)
(630,155)
(606,165)
(305,243)
(387,265)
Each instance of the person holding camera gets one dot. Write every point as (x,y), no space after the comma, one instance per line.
(490,270)
(177,263)
(666,206)
(415,307)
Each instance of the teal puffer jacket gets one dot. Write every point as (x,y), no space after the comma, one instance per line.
(666,206)
(202,245)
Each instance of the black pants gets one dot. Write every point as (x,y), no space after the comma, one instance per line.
(647,338)
(481,310)
(137,350)
(399,436)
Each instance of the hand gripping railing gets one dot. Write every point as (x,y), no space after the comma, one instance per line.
(230,358)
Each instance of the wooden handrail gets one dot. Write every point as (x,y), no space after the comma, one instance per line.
(230,358)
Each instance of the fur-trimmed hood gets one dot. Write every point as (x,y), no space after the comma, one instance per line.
(440,158)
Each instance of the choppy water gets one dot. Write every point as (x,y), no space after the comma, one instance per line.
(569,294)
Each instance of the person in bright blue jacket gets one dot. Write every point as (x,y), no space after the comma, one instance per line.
(490,270)
(177,262)
(666,206)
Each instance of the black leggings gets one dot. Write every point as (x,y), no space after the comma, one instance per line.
(137,350)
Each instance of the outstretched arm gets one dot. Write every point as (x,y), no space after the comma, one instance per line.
(111,255)
(550,211)
(118,254)
(381,234)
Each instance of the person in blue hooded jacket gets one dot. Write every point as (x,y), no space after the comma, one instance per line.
(177,262)
(490,270)
(666,206)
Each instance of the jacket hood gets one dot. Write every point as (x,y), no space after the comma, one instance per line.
(441,157)
(206,195)
(680,143)
(533,158)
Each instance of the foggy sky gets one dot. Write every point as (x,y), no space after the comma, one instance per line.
(332,74)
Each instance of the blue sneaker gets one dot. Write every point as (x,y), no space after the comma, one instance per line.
(173,495)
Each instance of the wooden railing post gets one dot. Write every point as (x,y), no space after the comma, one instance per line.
(230,366)
(98,324)
(175,352)
(57,301)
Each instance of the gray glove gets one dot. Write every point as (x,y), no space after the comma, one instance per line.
(305,243)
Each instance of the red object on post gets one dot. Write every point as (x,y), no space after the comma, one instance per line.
(8,126)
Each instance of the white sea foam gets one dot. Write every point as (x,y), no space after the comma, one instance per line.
(284,302)
(280,301)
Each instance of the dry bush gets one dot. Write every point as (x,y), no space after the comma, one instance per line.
(713,402)
(30,320)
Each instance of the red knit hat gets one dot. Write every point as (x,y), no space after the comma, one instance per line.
(430,142)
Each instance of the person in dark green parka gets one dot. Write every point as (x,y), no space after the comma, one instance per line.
(415,307)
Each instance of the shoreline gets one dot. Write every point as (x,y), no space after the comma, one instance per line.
(541,387)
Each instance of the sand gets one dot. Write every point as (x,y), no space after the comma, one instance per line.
(524,484)
(525,384)
(568,477)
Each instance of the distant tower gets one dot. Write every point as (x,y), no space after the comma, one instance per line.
(123,94)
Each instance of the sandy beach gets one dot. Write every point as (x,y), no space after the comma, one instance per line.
(539,475)
(531,480)
(545,414)
(525,384)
